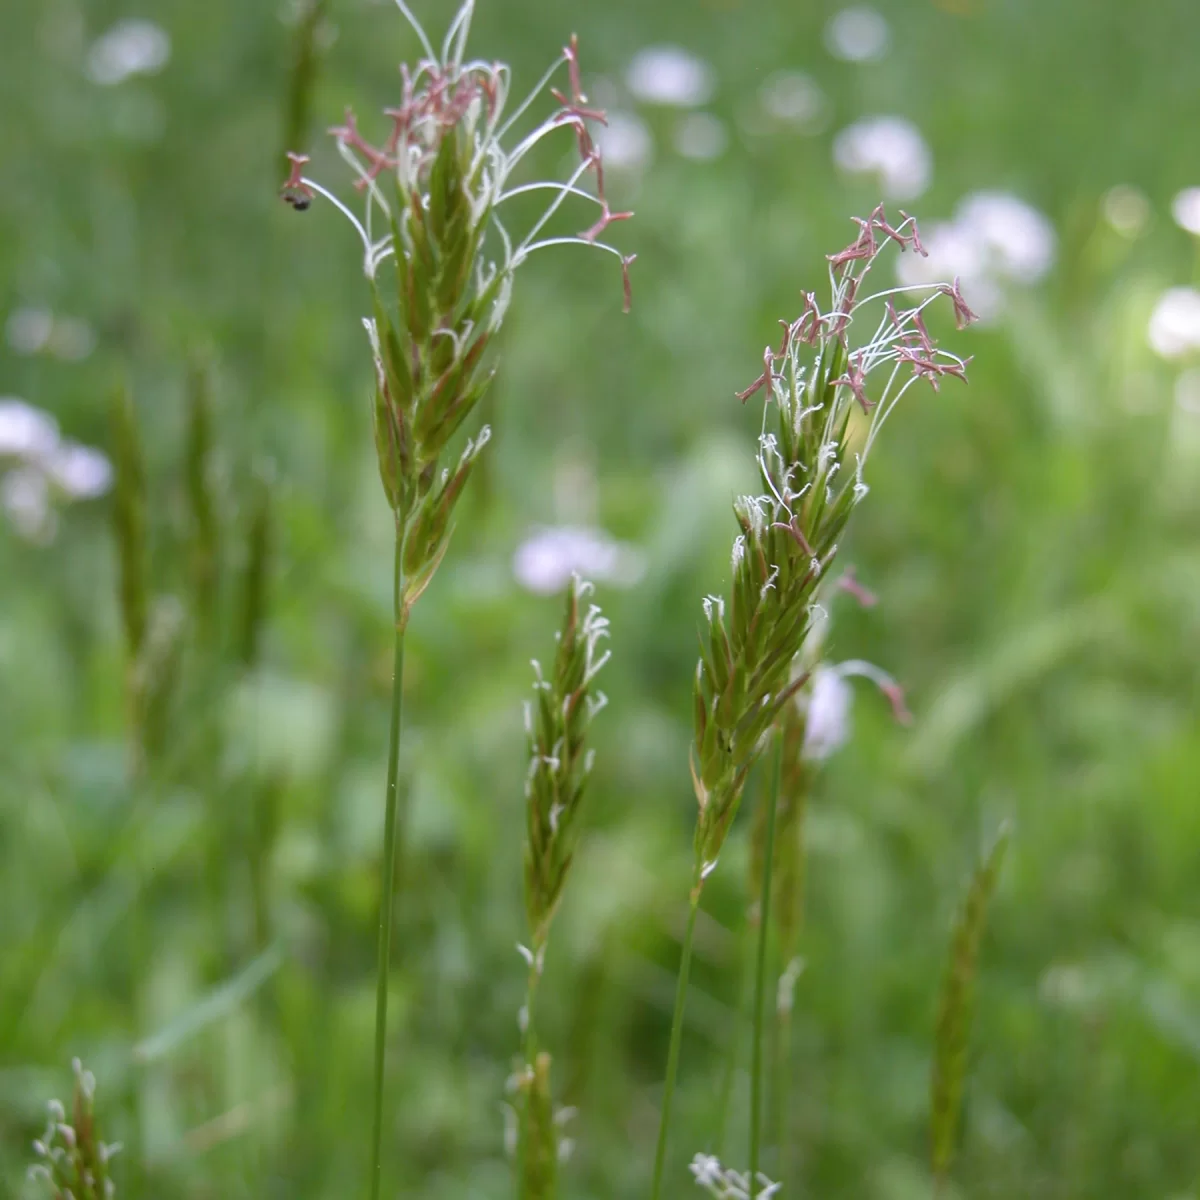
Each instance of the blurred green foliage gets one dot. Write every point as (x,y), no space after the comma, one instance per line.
(203,936)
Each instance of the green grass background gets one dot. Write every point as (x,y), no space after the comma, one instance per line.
(1033,538)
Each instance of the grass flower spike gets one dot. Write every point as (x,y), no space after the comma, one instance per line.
(440,264)
(812,480)
(440,261)
(72,1160)
(811,465)
(556,722)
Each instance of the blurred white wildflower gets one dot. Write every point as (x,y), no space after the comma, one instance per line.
(857,35)
(33,330)
(1174,330)
(1126,210)
(130,47)
(25,498)
(890,148)
(25,431)
(1017,240)
(546,560)
(625,142)
(701,136)
(669,75)
(80,471)
(994,240)
(728,1184)
(1185,208)
(44,466)
(795,99)
(827,725)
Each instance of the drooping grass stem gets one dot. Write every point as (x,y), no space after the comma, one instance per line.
(685,962)
(386,897)
(760,979)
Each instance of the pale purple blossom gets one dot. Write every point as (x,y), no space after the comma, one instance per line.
(831,699)
(82,472)
(625,142)
(890,148)
(130,47)
(545,561)
(43,467)
(670,76)
(994,241)
(25,431)
(858,34)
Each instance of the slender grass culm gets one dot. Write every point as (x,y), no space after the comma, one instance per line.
(556,723)
(810,728)
(813,726)
(440,265)
(811,464)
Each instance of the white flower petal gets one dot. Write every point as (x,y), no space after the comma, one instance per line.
(669,75)
(1174,328)
(131,47)
(1185,208)
(857,35)
(625,142)
(891,148)
(25,431)
(81,472)
(1018,240)
(828,723)
(546,560)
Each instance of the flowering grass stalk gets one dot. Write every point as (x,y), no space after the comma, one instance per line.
(440,265)
(811,465)
(72,1160)
(556,723)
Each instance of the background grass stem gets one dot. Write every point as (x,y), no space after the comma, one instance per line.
(760,978)
(685,963)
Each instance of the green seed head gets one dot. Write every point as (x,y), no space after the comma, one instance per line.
(440,260)
(810,457)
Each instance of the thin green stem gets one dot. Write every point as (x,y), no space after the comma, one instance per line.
(389,871)
(746,975)
(528,1050)
(760,981)
(782,1092)
(685,962)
